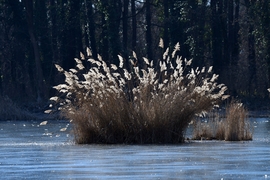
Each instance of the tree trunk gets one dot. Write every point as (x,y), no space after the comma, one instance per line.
(91,27)
(251,52)
(73,36)
(235,52)
(41,92)
(216,36)
(104,39)
(148,29)
(134,25)
(53,17)
(125,29)
(166,23)
(231,38)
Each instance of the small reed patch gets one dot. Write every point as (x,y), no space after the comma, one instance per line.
(233,127)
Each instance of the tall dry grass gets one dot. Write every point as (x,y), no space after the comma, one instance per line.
(238,127)
(109,104)
(233,127)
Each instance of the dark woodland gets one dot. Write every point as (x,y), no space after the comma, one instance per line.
(233,36)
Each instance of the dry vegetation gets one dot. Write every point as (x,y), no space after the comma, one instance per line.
(109,104)
(11,111)
(233,127)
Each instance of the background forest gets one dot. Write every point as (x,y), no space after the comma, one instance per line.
(231,35)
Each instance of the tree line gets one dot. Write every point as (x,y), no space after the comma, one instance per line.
(231,35)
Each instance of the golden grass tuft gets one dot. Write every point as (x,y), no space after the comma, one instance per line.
(109,104)
(237,126)
(233,127)
(120,120)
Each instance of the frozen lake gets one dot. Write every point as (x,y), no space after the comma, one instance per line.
(31,151)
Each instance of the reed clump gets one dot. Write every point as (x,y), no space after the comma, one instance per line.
(111,104)
(238,127)
(233,127)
